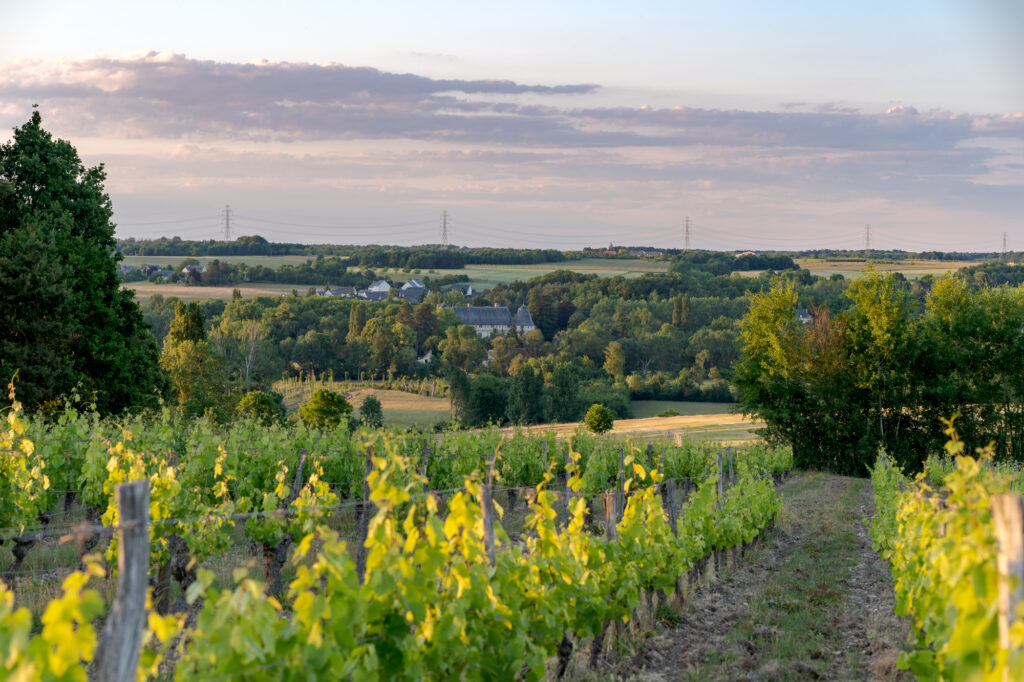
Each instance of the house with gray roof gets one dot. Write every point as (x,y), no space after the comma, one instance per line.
(494,321)
(524,322)
(486,321)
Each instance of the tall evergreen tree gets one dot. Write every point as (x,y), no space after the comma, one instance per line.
(57,208)
(525,397)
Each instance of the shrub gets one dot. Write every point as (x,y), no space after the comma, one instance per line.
(599,418)
(326,409)
(267,407)
(370,412)
(668,413)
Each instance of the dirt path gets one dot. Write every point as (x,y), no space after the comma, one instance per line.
(810,601)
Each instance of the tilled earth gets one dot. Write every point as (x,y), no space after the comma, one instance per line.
(751,624)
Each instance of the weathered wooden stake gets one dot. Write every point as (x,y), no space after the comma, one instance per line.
(670,503)
(721,488)
(117,658)
(488,507)
(426,465)
(611,533)
(366,513)
(568,490)
(1008,520)
(732,477)
(620,493)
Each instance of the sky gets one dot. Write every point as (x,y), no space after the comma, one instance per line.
(785,125)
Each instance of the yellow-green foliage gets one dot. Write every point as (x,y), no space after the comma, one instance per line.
(942,548)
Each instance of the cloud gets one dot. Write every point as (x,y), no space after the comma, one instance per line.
(171,96)
(168,125)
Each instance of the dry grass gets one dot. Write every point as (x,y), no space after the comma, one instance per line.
(724,428)
(400,408)
(143,290)
(910,268)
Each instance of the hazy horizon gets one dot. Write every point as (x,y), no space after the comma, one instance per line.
(786,127)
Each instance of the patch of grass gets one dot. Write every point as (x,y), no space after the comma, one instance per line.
(792,629)
(667,413)
(656,408)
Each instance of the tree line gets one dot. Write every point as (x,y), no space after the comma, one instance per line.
(885,370)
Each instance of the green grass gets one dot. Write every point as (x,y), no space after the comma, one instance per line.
(792,630)
(174,261)
(643,409)
(488,276)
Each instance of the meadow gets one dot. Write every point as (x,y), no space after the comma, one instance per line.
(911,268)
(480,276)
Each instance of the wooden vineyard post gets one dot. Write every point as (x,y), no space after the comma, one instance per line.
(117,658)
(670,503)
(1008,520)
(488,508)
(568,490)
(366,512)
(721,488)
(620,493)
(732,476)
(426,465)
(611,533)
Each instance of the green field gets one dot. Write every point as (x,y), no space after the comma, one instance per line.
(911,268)
(487,276)
(643,409)
(480,276)
(174,261)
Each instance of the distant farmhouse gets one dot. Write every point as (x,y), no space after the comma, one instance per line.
(377,291)
(413,291)
(804,315)
(494,321)
(343,292)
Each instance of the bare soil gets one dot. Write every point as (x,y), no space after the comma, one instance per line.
(810,600)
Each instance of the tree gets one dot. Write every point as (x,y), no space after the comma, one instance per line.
(487,400)
(459,386)
(543,310)
(615,359)
(264,406)
(562,397)
(526,397)
(35,339)
(356,320)
(188,323)
(325,409)
(104,343)
(370,412)
(197,373)
(599,418)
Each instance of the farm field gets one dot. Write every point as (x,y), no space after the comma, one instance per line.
(266,261)
(643,409)
(911,269)
(480,276)
(728,429)
(487,276)
(144,290)
(697,421)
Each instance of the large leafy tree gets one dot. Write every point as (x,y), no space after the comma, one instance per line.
(66,320)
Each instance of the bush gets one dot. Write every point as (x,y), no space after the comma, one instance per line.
(325,410)
(370,412)
(599,418)
(667,413)
(266,407)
